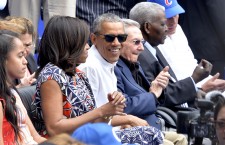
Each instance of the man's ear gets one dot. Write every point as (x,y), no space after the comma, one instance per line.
(147,27)
(93,38)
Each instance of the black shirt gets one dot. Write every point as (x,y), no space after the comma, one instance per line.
(134,68)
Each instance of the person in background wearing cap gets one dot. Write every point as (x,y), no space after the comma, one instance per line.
(177,94)
(177,51)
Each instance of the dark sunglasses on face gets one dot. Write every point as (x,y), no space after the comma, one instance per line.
(137,42)
(110,37)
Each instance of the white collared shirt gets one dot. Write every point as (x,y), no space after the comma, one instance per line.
(179,55)
(100,74)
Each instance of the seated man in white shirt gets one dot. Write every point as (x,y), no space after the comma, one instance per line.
(107,39)
(99,66)
(177,51)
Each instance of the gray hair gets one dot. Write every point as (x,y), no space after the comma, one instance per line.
(129,23)
(107,17)
(145,12)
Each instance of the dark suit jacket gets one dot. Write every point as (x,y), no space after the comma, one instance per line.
(139,102)
(175,93)
(31,63)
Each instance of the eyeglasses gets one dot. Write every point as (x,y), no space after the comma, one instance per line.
(220,124)
(110,37)
(137,42)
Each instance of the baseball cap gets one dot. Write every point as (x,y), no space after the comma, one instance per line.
(96,134)
(172,8)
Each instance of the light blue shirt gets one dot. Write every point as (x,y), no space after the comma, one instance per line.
(151,49)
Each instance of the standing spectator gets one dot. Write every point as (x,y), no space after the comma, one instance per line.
(204,27)
(89,10)
(31,9)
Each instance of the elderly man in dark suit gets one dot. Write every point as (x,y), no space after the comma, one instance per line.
(142,98)
(181,93)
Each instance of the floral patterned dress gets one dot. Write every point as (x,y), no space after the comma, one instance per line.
(78,99)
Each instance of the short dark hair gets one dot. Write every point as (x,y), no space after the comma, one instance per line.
(62,42)
(107,17)
(145,12)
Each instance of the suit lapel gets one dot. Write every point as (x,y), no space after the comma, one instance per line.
(144,79)
(31,64)
(164,63)
(126,72)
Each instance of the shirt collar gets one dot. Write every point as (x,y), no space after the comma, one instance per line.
(133,65)
(151,49)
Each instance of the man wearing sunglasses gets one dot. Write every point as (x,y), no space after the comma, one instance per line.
(151,17)
(107,39)
(99,67)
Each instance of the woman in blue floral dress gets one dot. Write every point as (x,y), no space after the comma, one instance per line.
(64,100)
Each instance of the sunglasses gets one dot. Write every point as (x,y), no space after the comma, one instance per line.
(138,42)
(110,37)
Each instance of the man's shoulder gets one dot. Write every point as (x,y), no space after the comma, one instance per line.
(88,66)
(120,64)
(146,57)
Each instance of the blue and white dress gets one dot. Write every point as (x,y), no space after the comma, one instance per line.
(79,99)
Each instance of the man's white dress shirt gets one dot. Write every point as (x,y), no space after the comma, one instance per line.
(179,55)
(100,74)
